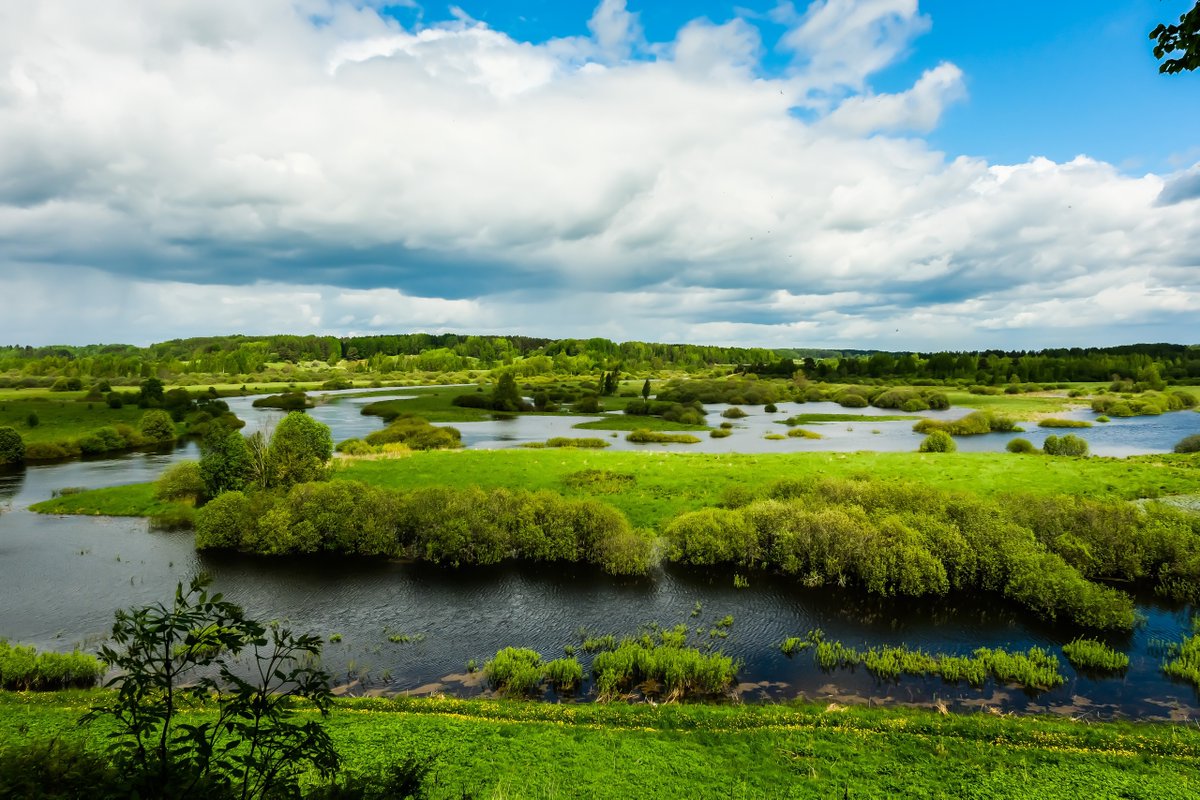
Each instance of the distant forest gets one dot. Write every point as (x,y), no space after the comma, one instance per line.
(246,357)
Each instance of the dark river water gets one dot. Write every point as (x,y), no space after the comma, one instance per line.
(61,578)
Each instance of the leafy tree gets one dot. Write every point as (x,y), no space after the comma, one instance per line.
(506,397)
(1183,38)
(151,392)
(299,449)
(170,656)
(646,390)
(156,426)
(225,462)
(12,446)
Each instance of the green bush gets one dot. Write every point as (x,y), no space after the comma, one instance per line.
(801,433)
(1020,445)
(299,449)
(1188,444)
(23,669)
(416,433)
(712,536)
(181,481)
(1069,445)
(733,413)
(1064,423)
(517,672)
(156,426)
(564,674)
(12,446)
(355,447)
(720,433)
(938,442)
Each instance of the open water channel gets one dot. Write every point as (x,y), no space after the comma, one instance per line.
(61,578)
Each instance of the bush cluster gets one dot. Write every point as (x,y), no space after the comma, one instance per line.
(886,538)
(973,424)
(416,433)
(661,661)
(1068,445)
(1146,404)
(441,525)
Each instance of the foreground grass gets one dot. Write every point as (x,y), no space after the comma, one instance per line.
(666,484)
(511,749)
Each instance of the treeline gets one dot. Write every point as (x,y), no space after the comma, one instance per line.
(440,525)
(1147,363)
(245,356)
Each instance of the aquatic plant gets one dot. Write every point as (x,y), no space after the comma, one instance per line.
(1089,654)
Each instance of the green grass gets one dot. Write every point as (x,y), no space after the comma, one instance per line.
(134,500)
(1019,406)
(627,422)
(667,483)
(808,419)
(1089,654)
(509,749)
(61,416)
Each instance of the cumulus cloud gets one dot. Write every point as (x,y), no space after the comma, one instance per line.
(347,173)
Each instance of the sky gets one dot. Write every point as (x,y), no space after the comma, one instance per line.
(877,174)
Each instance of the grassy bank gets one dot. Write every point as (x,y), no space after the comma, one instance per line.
(491,749)
(666,484)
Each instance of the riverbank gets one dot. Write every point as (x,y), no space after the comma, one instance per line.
(506,749)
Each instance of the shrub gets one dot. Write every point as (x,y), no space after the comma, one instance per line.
(720,433)
(1068,445)
(589,404)
(256,745)
(156,426)
(49,451)
(416,433)
(225,461)
(182,481)
(355,447)
(12,446)
(565,674)
(224,522)
(1019,445)
(32,420)
(733,413)
(23,669)
(770,408)
(1188,444)
(103,440)
(517,672)
(852,401)
(801,433)
(712,536)
(938,442)
(1064,423)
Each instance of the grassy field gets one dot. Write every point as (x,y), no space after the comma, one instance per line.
(61,415)
(493,749)
(669,483)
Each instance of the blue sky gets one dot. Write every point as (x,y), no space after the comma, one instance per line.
(860,173)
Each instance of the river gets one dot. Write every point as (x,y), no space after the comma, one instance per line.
(61,578)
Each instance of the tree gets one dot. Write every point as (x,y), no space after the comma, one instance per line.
(225,463)
(12,446)
(1183,38)
(156,426)
(506,397)
(168,657)
(299,449)
(646,390)
(151,392)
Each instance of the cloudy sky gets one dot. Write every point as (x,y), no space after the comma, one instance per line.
(862,173)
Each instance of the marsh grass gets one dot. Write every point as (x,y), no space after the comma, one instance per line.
(1035,669)
(1064,423)
(24,669)
(644,436)
(1094,656)
(801,433)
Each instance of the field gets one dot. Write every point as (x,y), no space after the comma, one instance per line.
(61,415)
(495,749)
(669,483)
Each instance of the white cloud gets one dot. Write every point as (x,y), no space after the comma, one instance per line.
(294,154)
